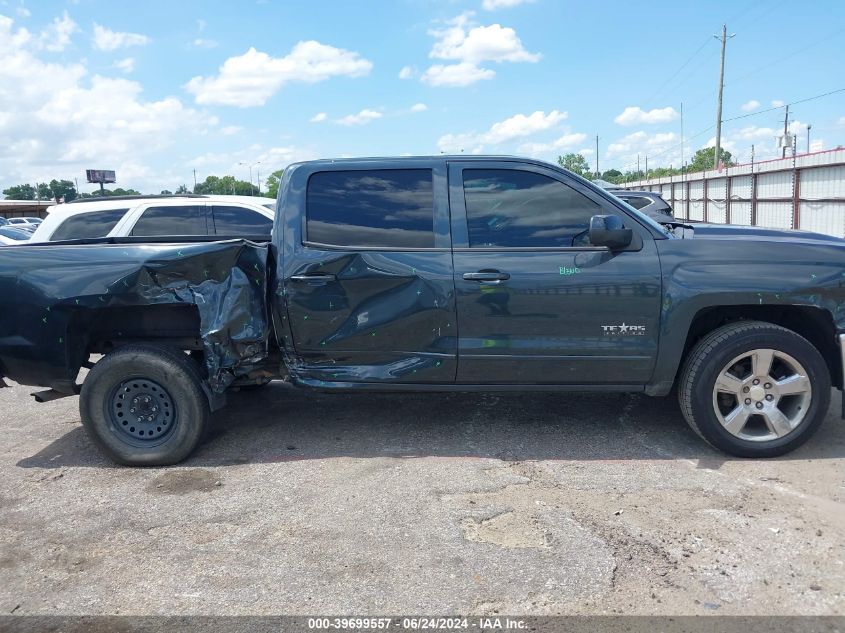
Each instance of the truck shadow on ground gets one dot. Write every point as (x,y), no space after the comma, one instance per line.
(279,423)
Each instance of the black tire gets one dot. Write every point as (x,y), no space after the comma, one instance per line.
(168,386)
(715,351)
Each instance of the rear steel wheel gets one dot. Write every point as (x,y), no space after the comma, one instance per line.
(142,411)
(144,405)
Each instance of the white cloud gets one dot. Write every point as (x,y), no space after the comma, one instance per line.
(127,65)
(493,5)
(23,12)
(763,138)
(841,121)
(479,44)
(56,121)
(456,75)
(522,125)
(750,106)
(567,141)
(459,144)
(777,103)
(271,159)
(634,115)
(419,107)
(252,78)
(752,133)
(407,72)
(107,40)
(662,148)
(319,117)
(202,42)
(56,37)
(517,126)
(362,118)
(229,130)
(470,45)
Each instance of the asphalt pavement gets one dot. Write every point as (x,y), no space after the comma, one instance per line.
(308,503)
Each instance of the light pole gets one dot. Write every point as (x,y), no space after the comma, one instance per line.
(251,184)
(809,127)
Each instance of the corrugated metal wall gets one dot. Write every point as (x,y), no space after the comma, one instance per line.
(806,192)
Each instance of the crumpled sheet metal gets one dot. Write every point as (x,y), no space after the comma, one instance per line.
(52,288)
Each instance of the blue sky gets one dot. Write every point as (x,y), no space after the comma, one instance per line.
(157,89)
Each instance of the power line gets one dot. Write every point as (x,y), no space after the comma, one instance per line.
(677,72)
(791,103)
(745,116)
(787,56)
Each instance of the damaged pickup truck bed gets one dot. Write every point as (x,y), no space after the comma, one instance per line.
(438,274)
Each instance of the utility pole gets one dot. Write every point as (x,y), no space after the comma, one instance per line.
(724,37)
(682,136)
(785,125)
(646,166)
(195,181)
(809,127)
(638,165)
(597,155)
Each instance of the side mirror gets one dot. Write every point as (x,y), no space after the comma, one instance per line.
(608,230)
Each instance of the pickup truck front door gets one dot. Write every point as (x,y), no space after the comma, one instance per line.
(536,302)
(367,272)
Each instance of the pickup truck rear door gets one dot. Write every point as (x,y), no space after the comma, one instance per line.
(366,265)
(536,302)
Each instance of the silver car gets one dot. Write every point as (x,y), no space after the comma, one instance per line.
(648,202)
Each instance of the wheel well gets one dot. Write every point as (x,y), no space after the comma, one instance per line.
(101,331)
(814,324)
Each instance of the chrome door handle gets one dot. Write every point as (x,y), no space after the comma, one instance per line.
(487,275)
(315,278)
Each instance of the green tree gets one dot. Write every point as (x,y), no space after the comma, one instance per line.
(20,192)
(63,189)
(42,191)
(182,189)
(612,175)
(166,192)
(662,172)
(575,163)
(703,159)
(111,192)
(273,181)
(227,185)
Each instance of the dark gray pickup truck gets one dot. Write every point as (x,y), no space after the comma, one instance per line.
(434,274)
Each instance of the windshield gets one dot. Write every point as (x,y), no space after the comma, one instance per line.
(15,234)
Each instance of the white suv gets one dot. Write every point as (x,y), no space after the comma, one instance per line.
(164,216)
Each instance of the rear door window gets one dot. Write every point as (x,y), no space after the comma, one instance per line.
(377,208)
(88,225)
(638,202)
(171,220)
(232,220)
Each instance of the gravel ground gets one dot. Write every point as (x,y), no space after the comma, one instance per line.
(305,503)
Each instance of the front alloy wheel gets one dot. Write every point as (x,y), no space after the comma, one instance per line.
(762,395)
(754,389)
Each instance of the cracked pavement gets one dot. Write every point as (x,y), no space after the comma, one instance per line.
(306,503)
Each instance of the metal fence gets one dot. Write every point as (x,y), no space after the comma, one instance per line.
(806,191)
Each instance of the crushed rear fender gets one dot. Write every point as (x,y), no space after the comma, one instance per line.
(50,293)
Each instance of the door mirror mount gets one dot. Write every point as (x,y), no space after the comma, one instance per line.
(608,230)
